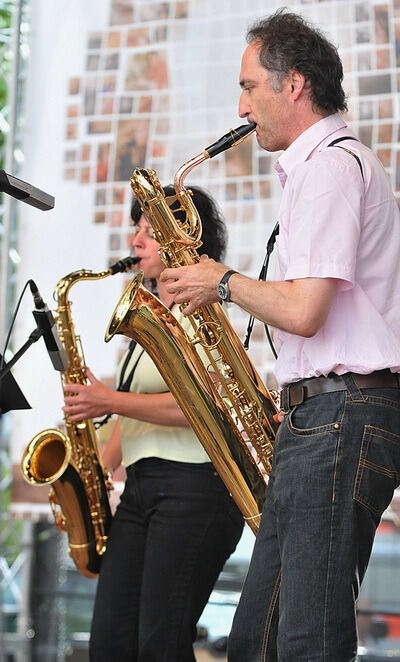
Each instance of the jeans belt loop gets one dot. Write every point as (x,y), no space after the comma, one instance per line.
(284,402)
(296,394)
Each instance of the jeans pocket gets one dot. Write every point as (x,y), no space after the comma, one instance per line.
(378,471)
(316,415)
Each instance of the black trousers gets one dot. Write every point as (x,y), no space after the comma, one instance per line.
(172,532)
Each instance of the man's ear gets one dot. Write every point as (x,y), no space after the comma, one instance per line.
(297,83)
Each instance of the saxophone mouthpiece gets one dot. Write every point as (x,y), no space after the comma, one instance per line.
(124,265)
(230,139)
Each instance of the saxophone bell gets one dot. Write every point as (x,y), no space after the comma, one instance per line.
(46,457)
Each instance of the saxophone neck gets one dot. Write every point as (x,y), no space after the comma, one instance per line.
(64,321)
(64,284)
(184,170)
(231,139)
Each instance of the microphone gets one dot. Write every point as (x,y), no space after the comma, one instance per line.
(47,325)
(25,192)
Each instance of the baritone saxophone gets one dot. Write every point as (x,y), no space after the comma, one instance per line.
(68,460)
(226,402)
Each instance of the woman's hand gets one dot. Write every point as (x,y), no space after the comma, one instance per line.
(87,400)
(279,416)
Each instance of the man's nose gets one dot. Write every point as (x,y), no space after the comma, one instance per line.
(244,107)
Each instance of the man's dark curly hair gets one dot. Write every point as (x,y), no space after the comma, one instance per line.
(287,43)
(214,234)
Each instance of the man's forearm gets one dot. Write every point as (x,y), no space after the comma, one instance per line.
(296,306)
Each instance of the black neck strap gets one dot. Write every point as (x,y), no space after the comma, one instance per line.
(124,384)
(334,143)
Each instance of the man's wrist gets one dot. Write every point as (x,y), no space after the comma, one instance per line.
(223,288)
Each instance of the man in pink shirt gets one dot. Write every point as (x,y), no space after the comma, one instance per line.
(335,306)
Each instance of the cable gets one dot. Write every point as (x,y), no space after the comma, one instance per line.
(263,276)
(31,283)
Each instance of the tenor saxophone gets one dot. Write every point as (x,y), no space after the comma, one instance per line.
(226,402)
(69,460)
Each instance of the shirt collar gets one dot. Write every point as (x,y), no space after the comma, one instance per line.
(306,143)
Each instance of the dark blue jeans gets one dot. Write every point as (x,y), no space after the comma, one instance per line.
(172,532)
(336,464)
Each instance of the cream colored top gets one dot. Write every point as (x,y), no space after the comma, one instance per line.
(140,439)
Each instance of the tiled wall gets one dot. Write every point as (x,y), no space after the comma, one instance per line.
(160,83)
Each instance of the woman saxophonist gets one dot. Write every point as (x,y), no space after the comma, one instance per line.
(176,524)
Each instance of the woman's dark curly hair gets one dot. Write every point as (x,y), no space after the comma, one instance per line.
(287,43)
(214,235)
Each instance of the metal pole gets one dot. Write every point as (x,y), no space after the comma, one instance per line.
(9,166)
(7,210)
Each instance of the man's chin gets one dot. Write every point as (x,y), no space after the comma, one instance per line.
(263,142)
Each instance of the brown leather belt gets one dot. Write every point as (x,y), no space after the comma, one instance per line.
(294,394)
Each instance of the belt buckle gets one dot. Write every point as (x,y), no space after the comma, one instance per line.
(296,394)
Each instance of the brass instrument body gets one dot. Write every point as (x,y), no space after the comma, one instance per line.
(142,317)
(240,404)
(69,460)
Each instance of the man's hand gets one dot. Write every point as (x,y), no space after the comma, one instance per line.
(195,284)
(87,401)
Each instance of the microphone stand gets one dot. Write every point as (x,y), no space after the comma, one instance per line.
(34,337)
(11,396)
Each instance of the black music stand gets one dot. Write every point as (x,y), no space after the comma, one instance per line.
(11,396)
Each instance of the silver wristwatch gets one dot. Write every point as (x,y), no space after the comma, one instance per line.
(223,290)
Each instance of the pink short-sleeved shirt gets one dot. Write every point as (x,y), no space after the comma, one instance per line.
(335,225)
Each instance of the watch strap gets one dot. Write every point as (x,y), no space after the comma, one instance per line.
(227,276)
(225,295)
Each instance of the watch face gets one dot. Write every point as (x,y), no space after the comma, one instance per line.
(222,292)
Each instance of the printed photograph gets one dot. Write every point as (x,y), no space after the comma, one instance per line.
(118,195)
(146,71)
(132,138)
(111,61)
(381,24)
(114,39)
(125,105)
(182,9)
(122,12)
(73,111)
(100,197)
(98,126)
(103,157)
(74,85)
(138,37)
(89,97)
(154,11)
(375,84)
(85,152)
(109,83)
(95,39)
(72,131)
(238,161)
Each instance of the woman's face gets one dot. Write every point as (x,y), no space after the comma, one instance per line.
(146,248)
